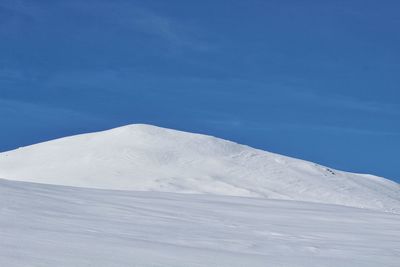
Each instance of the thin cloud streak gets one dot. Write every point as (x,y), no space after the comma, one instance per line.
(324,128)
(234,122)
(42,111)
(120,14)
(345,102)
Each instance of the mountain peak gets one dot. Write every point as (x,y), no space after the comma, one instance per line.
(149,128)
(150,158)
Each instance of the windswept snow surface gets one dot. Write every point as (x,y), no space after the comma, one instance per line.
(148,158)
(47,226)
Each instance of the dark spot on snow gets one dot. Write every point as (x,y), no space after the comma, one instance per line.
(330,171)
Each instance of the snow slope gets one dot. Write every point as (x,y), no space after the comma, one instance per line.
(148,158)
(47,226)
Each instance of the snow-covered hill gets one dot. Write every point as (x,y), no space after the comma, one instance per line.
(47,226)
(148,158)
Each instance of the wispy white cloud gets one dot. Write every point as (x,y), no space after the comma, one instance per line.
(17,74)
(154,24)
(9,109)
(20,7)
(126,15)
(231,122)
(11,74)
(328,128)
(168,29)
(346,102)
(355,131)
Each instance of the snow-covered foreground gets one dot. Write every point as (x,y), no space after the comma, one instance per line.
(47,225)
(148,158)
(242,206)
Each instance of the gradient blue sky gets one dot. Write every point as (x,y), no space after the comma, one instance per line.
(317,80)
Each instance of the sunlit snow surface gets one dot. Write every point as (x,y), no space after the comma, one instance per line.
(148,158)
(145,196)
(47,226)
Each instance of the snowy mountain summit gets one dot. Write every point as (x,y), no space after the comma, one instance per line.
(149,158)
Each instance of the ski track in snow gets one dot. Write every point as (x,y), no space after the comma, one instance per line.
(47,225)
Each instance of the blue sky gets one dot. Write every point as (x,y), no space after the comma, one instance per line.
(317,80)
